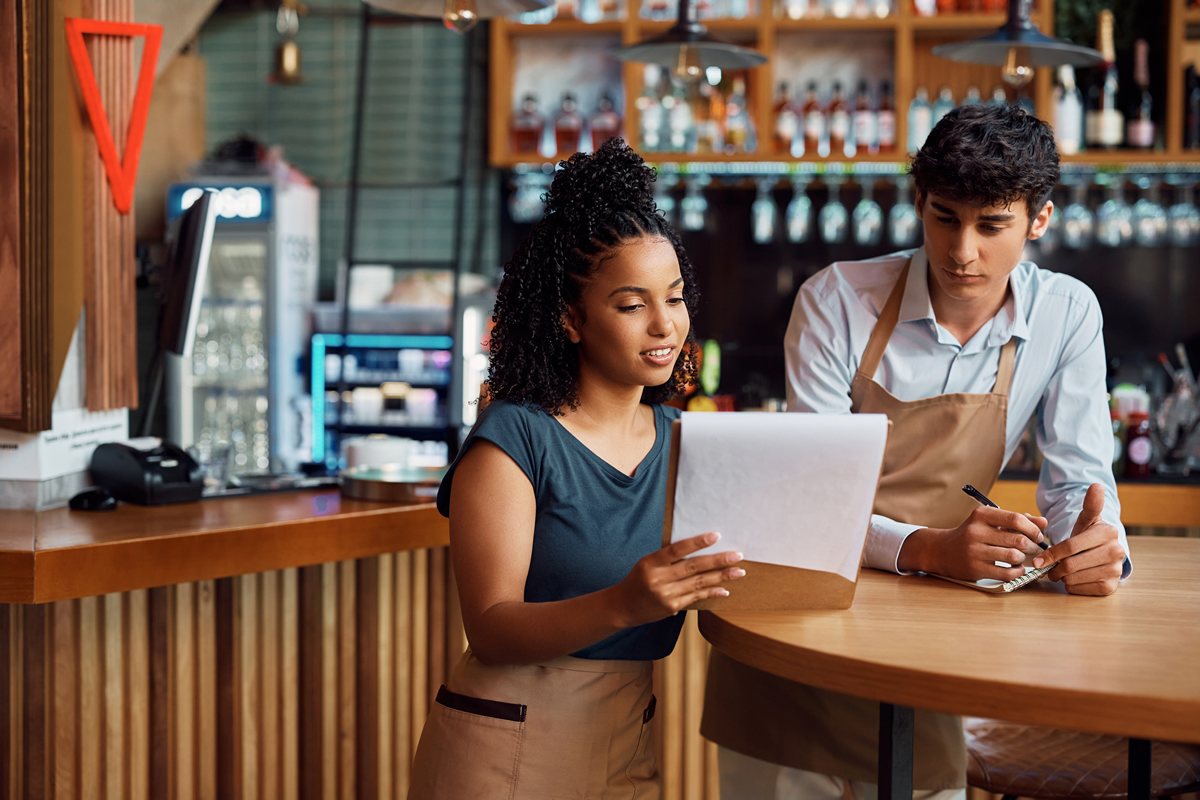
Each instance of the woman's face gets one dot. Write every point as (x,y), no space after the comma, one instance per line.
(631,321)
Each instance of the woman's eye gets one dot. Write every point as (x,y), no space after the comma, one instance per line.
(628,309)
(675,300)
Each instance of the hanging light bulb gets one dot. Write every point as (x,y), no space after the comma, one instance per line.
(287,52)
(1018,67)
(460,15)
(688,68)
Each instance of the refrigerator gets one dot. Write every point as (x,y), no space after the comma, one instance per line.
(240,396)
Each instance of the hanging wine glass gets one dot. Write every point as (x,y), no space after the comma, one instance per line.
(694,205)
(1149,218)
(1183,219)
(1114,218)
(868,216)
(799,213)
(763,212)
(903,223)
(833,219)
(663,198)
(1078,223)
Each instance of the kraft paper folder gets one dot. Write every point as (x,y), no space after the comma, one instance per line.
(792,492)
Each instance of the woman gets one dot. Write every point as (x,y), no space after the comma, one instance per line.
(556,507)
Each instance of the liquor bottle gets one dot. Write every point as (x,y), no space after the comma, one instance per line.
(925,8)
(886,123)
(606,123)
(1191,97)
(839,122)
(739,128)
(568,125)
(527,126)
(650,111)
(946,6)
(786,122)
(942,106)
(1139,127)
(1105,122)
(866,122)
(1068,112)
(680,127)
(999,96)
(973,97)
(1138,447)
(920,120)
(814,121)
(708,128)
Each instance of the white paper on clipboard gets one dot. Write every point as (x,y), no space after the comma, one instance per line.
(789,489)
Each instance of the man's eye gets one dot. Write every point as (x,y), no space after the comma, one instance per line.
(946,220)
(992,228)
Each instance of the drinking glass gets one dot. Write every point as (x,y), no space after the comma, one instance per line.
(663,198)
(1114,218)
(694,205)
(763,213)
(1183,219)
(903,224)
(1149,218)
(868,216)
(1078,222)
(798,216)
(832,221)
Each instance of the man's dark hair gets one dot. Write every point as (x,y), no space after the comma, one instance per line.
(989,155)
(596,204)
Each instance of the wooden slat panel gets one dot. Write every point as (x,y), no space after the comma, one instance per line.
(367,677)
(311,685)
(64,657)
(16,774)
(670,730)
(247,686)
(289,682)
(385,721)
(227,718)
(138,700)
(419,683)
(163,726)
(346,681)
(13,387)
(116,744)
(695,664)
(206,689)
(329,670)
(437,619)
(404,725)
(8,651)
(35,686)
(91,707)
(269,686)
(183,691)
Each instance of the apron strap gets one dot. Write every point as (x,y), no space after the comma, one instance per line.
(882,332)
(1004,372)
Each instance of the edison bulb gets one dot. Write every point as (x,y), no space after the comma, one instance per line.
(1018,67)
(688,68)
(460,15)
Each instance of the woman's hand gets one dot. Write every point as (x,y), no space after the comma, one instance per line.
(667,581)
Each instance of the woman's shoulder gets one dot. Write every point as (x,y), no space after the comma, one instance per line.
(669,413)
(509,414)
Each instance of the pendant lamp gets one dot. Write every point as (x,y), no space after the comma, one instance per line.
(687,49)
(460,15)
(1018,47)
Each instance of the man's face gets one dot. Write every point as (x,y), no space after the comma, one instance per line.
(972,248)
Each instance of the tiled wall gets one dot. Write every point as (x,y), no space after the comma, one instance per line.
(412,130)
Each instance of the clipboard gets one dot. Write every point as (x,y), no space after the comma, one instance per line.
(770,586)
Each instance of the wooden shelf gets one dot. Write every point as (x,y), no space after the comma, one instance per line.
(1191,16)
(959,22)
(835,24)
(1114,157)
(566,27)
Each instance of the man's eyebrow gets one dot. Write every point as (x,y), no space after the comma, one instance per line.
(1006,217)
(639,289)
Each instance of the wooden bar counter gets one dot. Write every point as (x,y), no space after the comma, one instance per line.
(273,646)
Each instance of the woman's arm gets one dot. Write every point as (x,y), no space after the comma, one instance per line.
(491,541)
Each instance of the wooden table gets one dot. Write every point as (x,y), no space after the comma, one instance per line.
(1128,664)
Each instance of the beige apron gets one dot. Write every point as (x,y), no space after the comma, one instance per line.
(567,729)
(935,446)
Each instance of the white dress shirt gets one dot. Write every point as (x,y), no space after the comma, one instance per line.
(1059,374)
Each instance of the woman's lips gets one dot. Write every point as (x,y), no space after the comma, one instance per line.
(660,356)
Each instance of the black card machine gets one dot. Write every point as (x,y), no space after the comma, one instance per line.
(163,474)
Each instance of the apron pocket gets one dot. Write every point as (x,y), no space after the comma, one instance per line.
(470,749)
(644,766)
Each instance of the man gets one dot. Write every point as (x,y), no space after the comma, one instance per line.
(959,343)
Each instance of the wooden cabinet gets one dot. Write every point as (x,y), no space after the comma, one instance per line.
(906,39)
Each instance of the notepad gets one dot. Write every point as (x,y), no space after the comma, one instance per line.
(993,586)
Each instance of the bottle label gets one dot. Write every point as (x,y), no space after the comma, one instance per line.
(865,126)
(1105,127)
(839,125)
(785,125)
(814,125)
(887,129)
(1139,133)
(920,122)
(1139,450)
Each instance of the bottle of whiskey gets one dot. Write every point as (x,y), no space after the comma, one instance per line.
(786,122)
(839,122)
(568,125)
(886,124)
(606,123)
(866,121)
(527,126)
(813,120)
(739,128)
(1139,127)
(1105,122)
(650,111)
(920,120)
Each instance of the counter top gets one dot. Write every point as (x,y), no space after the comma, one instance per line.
(62,554)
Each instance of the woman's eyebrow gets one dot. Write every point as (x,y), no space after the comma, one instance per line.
(640,289)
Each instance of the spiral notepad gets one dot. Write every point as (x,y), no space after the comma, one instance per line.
(1002,587)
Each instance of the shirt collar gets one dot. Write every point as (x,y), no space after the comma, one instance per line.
(1009,321)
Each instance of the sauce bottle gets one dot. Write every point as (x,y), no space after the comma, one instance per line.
(1138,448)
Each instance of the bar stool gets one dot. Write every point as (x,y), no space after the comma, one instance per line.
(1050,764)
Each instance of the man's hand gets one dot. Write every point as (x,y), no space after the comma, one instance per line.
(970,551)
(1090,562)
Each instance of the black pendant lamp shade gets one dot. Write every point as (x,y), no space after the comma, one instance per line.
(1018,47)
(688,50)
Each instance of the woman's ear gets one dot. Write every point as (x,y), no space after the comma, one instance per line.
(572,321)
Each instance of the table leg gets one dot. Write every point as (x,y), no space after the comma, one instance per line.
(1139,769)
(896,752)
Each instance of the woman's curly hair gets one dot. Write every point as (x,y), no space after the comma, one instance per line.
(596,203)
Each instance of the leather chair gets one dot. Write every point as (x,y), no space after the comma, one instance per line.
(1050,764)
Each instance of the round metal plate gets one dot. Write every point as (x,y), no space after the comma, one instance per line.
(392,483)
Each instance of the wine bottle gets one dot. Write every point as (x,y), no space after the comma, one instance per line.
(839,122)
(920,120)
(1139,128)
(1068,112)
(866,121)
(786,123)
(1105,122)
(814,121)
(606,123)
(527,126)
(887,119)
(568,125)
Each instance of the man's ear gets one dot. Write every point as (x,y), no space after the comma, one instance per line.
(1040,223)
(572,321)
(919,203)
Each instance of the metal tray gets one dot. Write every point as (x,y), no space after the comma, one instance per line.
(392,483)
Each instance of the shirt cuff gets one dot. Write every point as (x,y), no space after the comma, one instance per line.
(885,537)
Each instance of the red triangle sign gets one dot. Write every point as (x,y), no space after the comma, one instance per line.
(122,174)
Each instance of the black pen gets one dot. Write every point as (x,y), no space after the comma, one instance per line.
(982,499)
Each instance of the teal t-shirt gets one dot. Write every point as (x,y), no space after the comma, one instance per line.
(593,521)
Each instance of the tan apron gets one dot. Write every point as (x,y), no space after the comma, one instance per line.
(935,446)
(567,729)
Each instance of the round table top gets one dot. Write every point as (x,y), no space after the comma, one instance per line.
(1127,664)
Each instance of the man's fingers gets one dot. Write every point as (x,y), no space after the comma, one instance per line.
(1010,520)
(1093,504)
(1100,551)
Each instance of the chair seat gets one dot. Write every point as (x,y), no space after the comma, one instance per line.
(1052,764)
